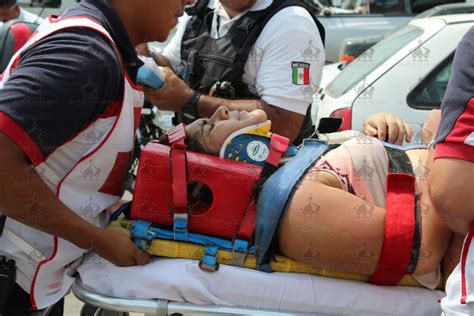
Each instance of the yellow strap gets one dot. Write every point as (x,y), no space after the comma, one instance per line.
(178,249)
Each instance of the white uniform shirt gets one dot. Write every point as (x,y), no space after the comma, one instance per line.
(29,17)
(288,41)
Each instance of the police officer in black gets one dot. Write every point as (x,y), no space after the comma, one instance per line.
(246,55)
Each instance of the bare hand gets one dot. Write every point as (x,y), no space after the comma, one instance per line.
(142,49)
(382,125)
(116,246)
(172,96)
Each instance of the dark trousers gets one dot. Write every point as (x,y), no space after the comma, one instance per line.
(19,304)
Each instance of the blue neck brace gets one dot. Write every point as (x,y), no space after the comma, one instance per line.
(252,145)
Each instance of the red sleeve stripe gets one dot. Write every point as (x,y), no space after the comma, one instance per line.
(454,151)
(21,138)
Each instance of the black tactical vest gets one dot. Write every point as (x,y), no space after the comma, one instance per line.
(206,60)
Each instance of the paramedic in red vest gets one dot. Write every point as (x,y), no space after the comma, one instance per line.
(10,10)
(282,71)
(452,174)
(69,107)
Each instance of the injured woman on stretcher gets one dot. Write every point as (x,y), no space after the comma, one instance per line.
(362,207)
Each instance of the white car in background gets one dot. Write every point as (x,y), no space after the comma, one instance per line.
(406,74)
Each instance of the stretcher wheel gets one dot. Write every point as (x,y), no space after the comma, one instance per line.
(90,310)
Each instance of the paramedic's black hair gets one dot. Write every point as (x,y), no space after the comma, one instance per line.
(7,3)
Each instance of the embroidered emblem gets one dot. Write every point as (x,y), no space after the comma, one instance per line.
(300,73)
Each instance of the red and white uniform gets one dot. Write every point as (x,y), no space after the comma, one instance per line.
(455,140)
(460,284)
(86,173)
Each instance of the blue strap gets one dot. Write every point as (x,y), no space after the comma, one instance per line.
(404,147)
(142,236)
(276,193)
(144,231)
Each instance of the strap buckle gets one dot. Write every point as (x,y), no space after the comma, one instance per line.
(278,146)
(239,252)
(209,261)
(141,233)
(180,223)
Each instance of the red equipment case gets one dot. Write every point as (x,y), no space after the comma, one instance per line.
(231,183)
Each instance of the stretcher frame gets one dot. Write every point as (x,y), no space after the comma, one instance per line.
(115,306)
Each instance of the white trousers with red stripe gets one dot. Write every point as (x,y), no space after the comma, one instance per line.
(460,284)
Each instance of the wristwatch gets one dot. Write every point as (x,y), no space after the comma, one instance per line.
(190,110)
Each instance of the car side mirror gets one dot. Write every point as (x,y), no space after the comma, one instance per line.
(40,3)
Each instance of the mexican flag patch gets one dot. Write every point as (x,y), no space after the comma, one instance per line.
(300,73)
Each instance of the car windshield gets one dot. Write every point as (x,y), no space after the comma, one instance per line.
(357,70)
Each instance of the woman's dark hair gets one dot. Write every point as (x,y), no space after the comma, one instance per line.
(191,144)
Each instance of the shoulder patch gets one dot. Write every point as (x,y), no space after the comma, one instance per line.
(300,73)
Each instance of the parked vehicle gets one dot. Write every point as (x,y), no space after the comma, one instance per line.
(354,46)
(406,74)
(380,18)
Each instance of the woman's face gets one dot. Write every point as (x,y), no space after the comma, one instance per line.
(211,133)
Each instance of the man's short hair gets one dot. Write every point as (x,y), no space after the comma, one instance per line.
(7,3)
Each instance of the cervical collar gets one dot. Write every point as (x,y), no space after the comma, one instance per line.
(251,144)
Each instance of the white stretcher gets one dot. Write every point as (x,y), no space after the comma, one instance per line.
(167,286)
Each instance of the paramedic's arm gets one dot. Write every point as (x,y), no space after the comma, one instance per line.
(175,93)
(451,182)
(22,189)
